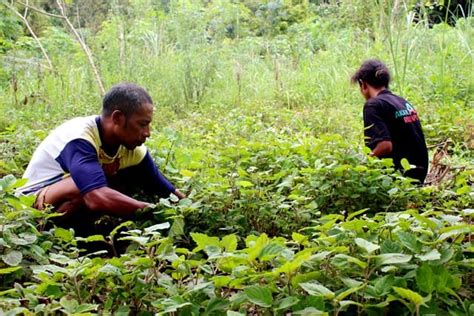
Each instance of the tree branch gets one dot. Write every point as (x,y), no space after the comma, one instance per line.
(84,47)
(26,5)
(30,29)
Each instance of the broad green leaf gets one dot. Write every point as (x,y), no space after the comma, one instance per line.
(310,311)
(316,289)
(9,270)
(293,265)
(320,255)
(109,269)
(388,269)
(69,305)
(244,184)
(410,295)
(259,295)
(200,286)
(232,313)
(177,229)
(354,214)
(270,251)
(141,240)
(389,246)
(384,285)
(405,164)
(7,182)
(12,258)
(351,282)
(366,245)
(287,302)
(255,247)
(63,234)
(409,241)
(305,277)
(424,278)
(392,258)
(432,255)
(53,290)
(119,227)
(221,281)
(443,280)
(229,243)
(92,238)
(155,227)
(455,230)
(343,260)
(468,212)
(203,241)
(299,238)
(216,305)
(172,304)
(23,239)
(347,292)
(454,282)
(86,308)
(422,219)
(446,255)
(187,173)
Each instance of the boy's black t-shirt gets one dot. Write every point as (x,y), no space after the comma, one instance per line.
(390,117)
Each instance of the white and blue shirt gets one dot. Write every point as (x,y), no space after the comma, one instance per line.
(75,149)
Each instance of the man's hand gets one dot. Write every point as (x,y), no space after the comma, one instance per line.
(179,194)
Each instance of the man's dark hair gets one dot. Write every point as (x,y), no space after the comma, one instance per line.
(373,72)
(125,97)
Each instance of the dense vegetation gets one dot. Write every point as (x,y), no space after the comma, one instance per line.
(257,122)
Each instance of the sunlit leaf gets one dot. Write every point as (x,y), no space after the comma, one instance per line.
(12,258)
(392,258)
(316,289)
(410,295)
(366,245)
(259,295)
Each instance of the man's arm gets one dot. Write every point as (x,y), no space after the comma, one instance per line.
(112,202)
(79,158)
(179,194)
(154,180)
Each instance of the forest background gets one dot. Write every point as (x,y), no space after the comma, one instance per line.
(256,120)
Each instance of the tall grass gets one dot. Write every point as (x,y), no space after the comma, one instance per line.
(187,61)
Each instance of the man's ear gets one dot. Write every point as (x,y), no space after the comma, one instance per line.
(118,117)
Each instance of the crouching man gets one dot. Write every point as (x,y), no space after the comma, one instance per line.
(88,164)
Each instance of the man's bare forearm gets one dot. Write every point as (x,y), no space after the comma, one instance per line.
(112,202)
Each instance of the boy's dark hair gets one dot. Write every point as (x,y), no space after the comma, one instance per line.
(125,97)
(373,72)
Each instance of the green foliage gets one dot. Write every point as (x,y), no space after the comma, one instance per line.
(341,267)
(257,123)
(10,29)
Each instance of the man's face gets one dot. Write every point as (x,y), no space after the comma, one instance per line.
(134,130)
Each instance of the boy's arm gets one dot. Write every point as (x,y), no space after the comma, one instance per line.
(377,135)
(382,149)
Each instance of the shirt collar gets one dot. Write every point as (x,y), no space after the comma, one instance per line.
(386,91)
